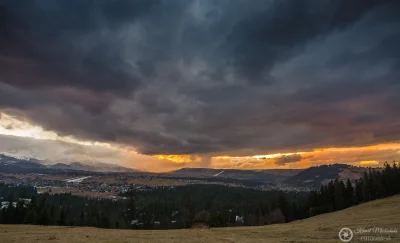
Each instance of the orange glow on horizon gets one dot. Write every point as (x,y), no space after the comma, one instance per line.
(369,155)
(369,162)
(176,158)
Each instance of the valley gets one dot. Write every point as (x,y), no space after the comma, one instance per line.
(108,181)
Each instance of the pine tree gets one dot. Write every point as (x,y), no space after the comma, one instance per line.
(187,212)
(3,217)
(30,217)
(202,217)
(365,188)
(359,191)
(44,216)
(284,206)
(349,195)
(82,219)
(20,212)
(62,219)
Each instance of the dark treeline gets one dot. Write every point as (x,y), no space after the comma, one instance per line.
(61,209)
(185,206)
(216,206)
(337,195)
(10,193)
(163,208)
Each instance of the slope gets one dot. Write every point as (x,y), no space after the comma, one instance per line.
(270,175)
(319,175)
(384,213)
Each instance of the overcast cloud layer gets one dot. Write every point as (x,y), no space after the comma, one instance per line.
(205,77)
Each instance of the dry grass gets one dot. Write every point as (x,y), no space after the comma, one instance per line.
(352,173)
(134,179)
(77,191)
(323,228)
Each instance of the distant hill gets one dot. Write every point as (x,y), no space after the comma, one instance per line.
(61,166)
(91,167)
(283,172)
(320,175)
(274,175)
(14,165)
(10,164)
(383,213)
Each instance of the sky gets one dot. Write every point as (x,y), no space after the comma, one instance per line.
(160,85)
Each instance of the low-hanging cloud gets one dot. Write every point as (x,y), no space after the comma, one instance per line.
(286,159)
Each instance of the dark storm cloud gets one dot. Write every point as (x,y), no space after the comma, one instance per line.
(198,77)
(277,32)
(41,43)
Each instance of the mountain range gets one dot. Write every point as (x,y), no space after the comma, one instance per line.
(271,175)
(312,177)
(22,165)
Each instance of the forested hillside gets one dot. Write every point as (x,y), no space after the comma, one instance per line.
(185,206)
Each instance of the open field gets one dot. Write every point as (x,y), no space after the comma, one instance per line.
(383,213)
(77,192)
(138,180)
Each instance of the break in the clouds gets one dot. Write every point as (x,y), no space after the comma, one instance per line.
(205,77)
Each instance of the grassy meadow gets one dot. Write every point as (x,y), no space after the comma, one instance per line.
(383,213)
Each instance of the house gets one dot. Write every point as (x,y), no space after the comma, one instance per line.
(26,200)
(4,205)
(239,219)
(174,213)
